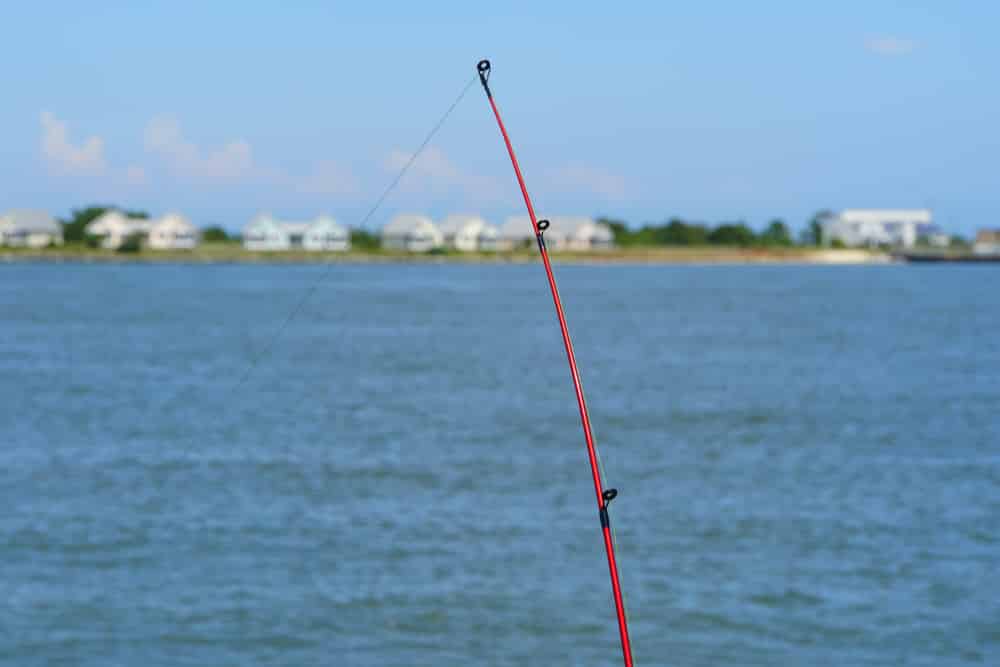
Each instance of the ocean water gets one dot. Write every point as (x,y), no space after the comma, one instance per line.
(808,461)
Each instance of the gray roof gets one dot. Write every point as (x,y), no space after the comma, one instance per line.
(454,223)
(30,220)
(407,223)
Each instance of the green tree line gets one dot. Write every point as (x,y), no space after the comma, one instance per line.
(677,232)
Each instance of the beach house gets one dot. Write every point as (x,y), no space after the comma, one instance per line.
(325,233)
(265,233)
(582,233)
(173,232)
(564,233)
(412,233)
(113,228)
(987,242)
(857,227)
(468,233)
(29,228)
(489,239)
(515,232)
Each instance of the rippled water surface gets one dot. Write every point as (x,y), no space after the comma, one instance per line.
(808,461)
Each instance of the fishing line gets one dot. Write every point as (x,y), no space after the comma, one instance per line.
(269,346)
(257,358)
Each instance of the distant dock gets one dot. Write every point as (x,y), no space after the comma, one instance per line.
(939,257)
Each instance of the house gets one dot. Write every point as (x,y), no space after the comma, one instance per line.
(173,232)
(295,232)
(325,233)
(582,234)
(266,233)
(468,233)
(489,239)
(987,242)
(877,227)
(113,228)
(29,228)
(564,233)
(515,232)
(413,233)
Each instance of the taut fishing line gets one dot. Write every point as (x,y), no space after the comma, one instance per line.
(255,361)
(318,282)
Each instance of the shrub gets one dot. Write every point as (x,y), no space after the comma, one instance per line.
(215,233)
(131,244)
(364,240)
(732,234)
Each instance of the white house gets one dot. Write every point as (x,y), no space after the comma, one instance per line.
(987,242)
(489,238)
(31,228)
(581,234)
(113,228)
(413,233)
(515,232)
(468,233)
(173,232)
(325,233)
(873,227)
(295,232)
(564,233)
(265,233)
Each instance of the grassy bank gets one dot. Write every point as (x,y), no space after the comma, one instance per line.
(233,252)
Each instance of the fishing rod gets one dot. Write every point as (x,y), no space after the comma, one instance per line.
(604,496)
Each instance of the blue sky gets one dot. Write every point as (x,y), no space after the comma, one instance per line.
(711,111)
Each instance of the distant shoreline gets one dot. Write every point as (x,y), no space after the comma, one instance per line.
(228,253)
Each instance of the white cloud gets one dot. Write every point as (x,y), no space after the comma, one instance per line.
(890,46)
(433,171)
(591,180)
(59,152)
(432,166)
(231,163)
(329,178)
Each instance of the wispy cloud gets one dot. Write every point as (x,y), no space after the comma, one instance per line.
(432,165)
(63,155)
(233,163)
(329,178)
(587,179)
(86,158)
(890,46)
(433,171)
(230,163)
(167,147)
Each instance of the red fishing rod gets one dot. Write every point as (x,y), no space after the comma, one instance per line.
(604,496)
